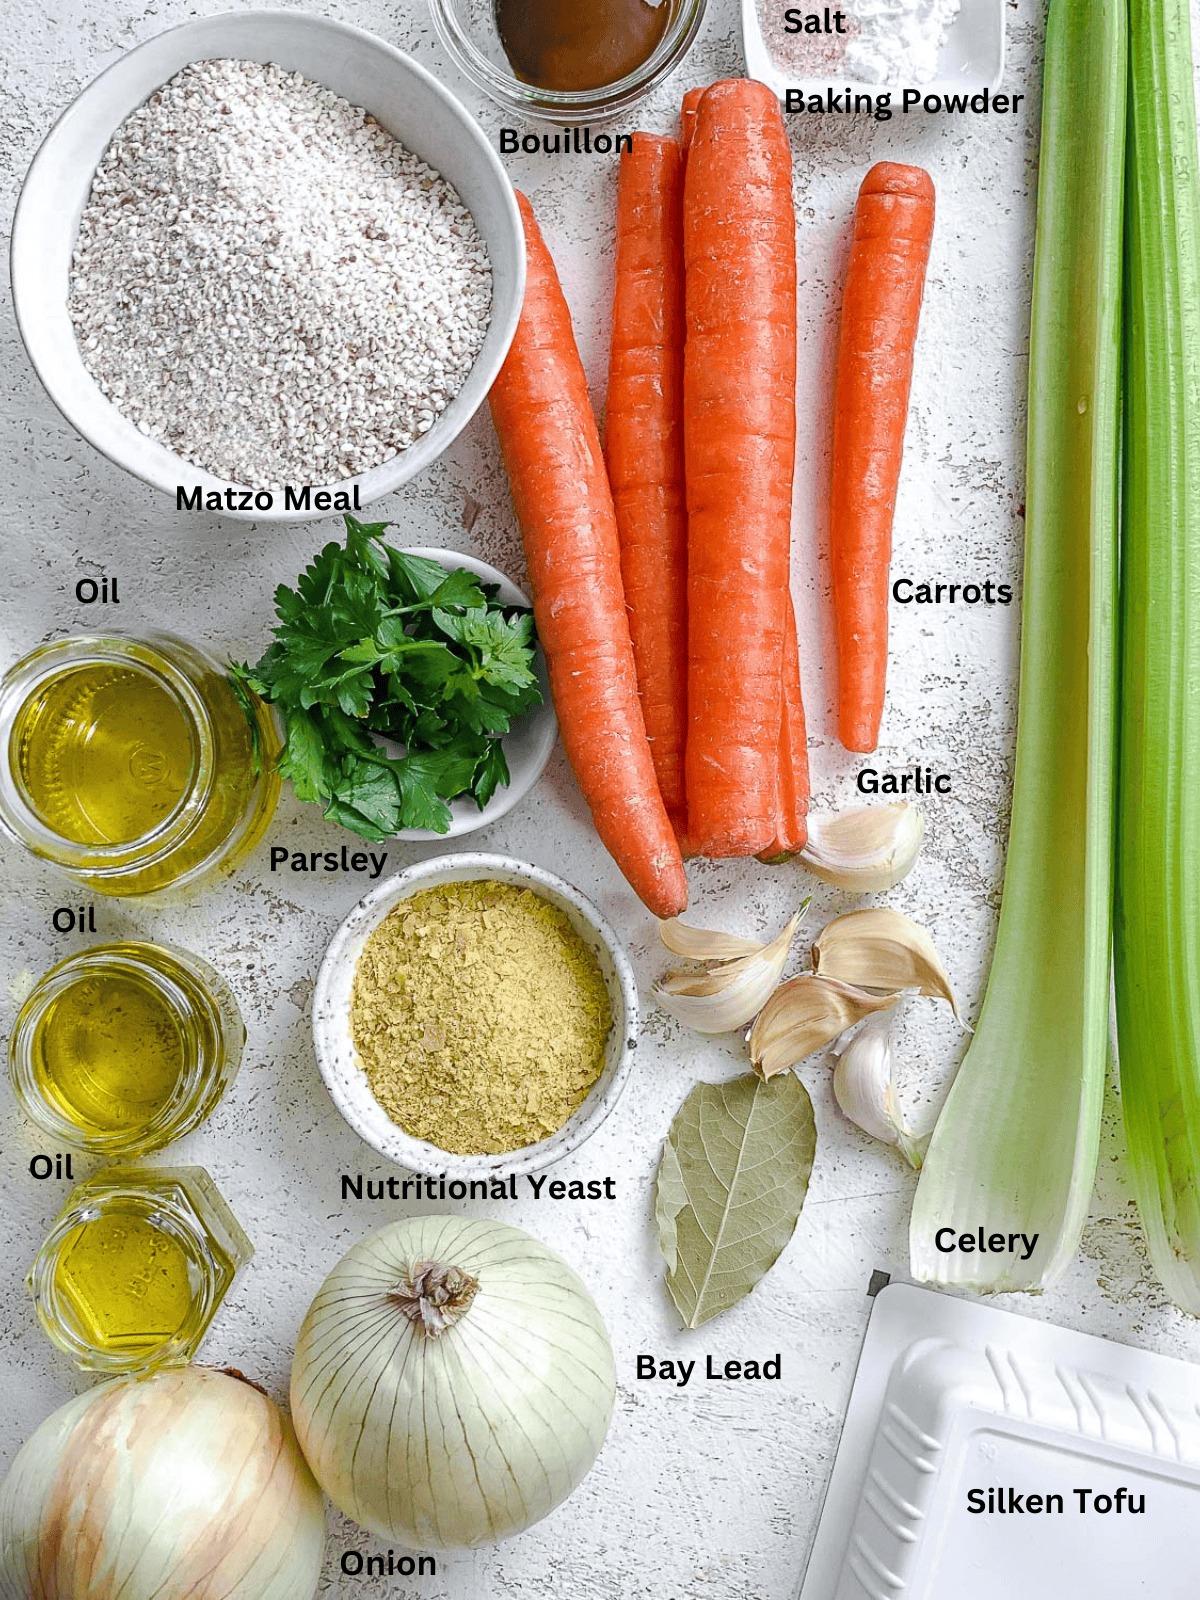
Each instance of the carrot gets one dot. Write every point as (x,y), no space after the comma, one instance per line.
(643,444)
(551,449)
(893,227)
(687,116)
(793,755)
(739,243)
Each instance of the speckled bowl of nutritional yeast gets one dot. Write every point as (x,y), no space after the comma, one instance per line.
(409,104)
(342,1068)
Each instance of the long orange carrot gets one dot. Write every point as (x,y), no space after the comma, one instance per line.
(739,240)
(643,443)
(792,834)
(551,448)
(687,116)
(893,227)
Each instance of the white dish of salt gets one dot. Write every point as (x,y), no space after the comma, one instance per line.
(969,60)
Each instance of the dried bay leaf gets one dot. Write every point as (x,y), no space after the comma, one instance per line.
(732,1180)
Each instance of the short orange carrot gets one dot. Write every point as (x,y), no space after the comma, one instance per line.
(792,834)
(739,241)
(643,443)
(893,228)
(560,491)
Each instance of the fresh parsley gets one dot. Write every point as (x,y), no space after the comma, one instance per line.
(372,644)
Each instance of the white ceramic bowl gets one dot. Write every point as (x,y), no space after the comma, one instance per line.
(526,749)
(401,95)
(338,1060)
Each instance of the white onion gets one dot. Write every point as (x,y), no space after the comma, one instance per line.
(186,1485)
(453,1382)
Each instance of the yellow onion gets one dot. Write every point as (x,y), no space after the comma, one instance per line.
(453,1382)
(187,1485)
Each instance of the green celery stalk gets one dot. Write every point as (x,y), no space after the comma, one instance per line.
(1157,927)
(1015,1148)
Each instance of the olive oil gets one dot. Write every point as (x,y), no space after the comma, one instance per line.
(133,764)
(109,1053)
(103,753)
(136,1267)
(122,1048)
(125,1284)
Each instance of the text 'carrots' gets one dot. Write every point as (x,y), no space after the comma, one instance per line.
(739,237)
(560,490)
(893,227)
(643,443)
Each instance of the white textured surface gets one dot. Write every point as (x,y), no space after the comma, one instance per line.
(713,1489)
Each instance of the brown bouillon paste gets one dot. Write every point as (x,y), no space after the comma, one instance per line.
(579,44)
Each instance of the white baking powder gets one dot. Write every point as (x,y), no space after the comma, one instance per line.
(898,42)
(270,284)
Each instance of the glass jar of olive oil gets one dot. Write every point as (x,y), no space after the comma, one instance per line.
(124,1047)
(136,1266)
(133,764)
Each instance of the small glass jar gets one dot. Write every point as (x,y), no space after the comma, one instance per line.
(135,1267)
(467,29)
(124,1047)
(133,764)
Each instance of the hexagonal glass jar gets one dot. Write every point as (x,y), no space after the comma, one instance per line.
(135,1267)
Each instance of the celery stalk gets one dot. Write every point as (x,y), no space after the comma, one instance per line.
(1157,928)
(1015,1148)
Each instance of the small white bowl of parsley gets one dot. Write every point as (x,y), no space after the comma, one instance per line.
(410,687)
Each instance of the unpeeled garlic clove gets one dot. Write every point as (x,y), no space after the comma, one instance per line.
(705,944)
(864,1087)
(730,993)
(806,1014)
(882,949)
(865,850)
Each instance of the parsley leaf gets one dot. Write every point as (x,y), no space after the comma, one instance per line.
(374,644)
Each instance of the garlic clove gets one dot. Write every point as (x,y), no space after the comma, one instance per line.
(705,944)
(729,994)
(882,949)
(806,1014)
(864,1087)
(865,850)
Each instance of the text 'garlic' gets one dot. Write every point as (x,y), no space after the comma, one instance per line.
(882,949)
(864,1088)
(806,1014)
(865,850)
(730,992)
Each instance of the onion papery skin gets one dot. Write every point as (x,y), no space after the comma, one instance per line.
(187,1485)
(468,1437)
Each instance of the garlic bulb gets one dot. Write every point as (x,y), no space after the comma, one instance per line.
(187,1485)
(865,850)
(882,949)
(731,992)
(453,1381)
(864,1088)
(806,1014)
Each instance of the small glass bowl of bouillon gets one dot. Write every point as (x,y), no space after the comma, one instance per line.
(565,62)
